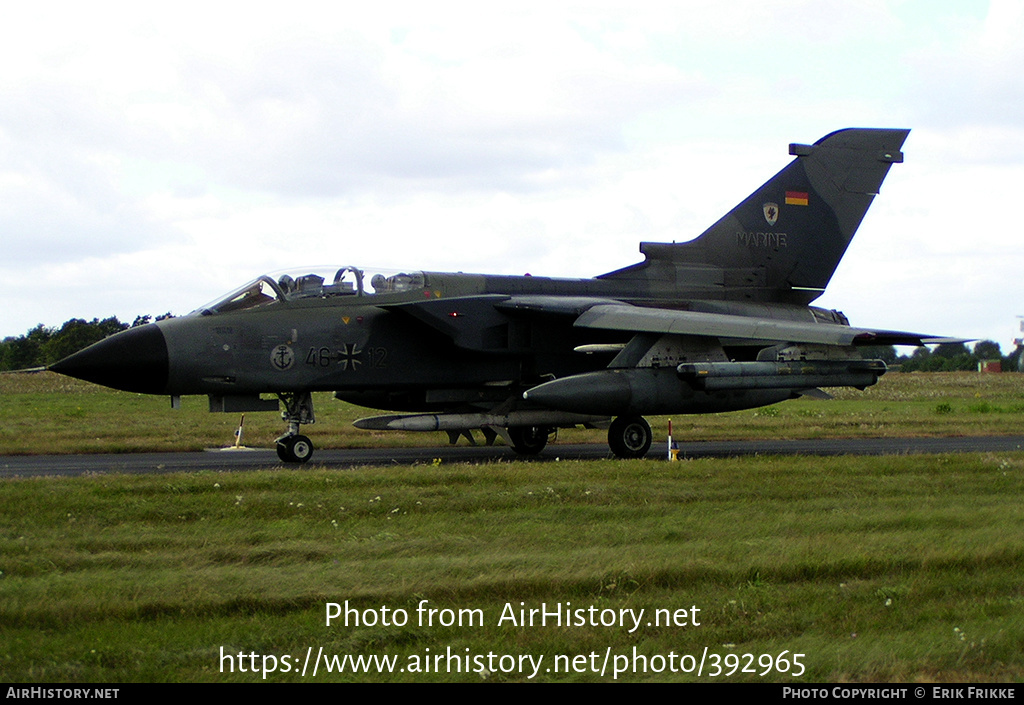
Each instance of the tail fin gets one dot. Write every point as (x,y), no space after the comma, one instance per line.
(784,241)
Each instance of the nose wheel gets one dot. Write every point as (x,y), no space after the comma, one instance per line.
(293,447)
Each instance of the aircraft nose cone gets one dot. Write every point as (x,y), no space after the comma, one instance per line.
(134,360)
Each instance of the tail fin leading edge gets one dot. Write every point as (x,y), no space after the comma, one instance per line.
(784,241)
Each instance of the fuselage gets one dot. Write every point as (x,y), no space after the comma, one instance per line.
(417,342)
(438,343)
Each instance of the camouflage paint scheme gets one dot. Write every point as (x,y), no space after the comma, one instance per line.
(720,323)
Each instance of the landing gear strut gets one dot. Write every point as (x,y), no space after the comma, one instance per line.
(529,440)
(630,436)
(293,447)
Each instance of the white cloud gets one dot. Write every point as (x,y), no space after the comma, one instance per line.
(178,151)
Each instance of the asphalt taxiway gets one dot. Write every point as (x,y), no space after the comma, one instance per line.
(245,460)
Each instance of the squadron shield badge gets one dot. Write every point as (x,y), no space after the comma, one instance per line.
(771,212)
(282,358)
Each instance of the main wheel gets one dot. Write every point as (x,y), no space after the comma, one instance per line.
(294,449)
(630,436)
(529,440)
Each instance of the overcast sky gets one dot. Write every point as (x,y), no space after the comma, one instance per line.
(154,156)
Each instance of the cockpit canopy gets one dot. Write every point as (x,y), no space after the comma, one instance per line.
(313,283)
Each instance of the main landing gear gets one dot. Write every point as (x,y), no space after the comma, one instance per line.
(525,440)
(293,447)
(630,436)
(529,440)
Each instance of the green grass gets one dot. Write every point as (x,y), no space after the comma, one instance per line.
(875,568)
(47,413)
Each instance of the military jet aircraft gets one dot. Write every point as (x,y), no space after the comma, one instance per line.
(720,323)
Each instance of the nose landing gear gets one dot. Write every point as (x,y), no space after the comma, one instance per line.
(293,447)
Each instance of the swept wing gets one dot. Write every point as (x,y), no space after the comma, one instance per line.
(748,329)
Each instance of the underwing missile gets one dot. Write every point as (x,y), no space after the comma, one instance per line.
(458,422)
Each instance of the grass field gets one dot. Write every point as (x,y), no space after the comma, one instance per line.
(48,413)
(874,569)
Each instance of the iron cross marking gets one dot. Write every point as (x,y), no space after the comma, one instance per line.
(349,357)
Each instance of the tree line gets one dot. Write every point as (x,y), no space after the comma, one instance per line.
(43,346)
(946,357)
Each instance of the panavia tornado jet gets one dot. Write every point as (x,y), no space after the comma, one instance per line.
(720,323)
